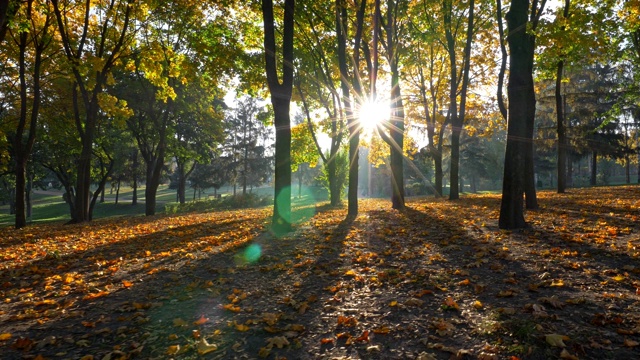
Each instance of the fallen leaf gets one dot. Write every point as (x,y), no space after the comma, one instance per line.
(325,341)
(204,347)
(630,343)
(173,349)
(382,330)
(200,321)
(564,354)
(556,340)
(506,293)
(241,327)
(127,284)
(278,341)
(364,336)
(5,336)
(450,304)
(557,283)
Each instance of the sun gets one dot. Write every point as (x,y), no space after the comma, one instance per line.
(372,113)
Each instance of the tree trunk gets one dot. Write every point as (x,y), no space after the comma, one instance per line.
(562,139)
(454,171)
(117,191)
(182,184)
(101,185)
(281,221)
(627,168)
(569,172)
(154,172)
(521,104)
(562,136)
(27,196)
(594,168)
(281,101)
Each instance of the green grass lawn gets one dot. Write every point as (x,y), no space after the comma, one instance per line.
(52,208)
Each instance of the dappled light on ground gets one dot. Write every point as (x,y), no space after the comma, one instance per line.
(436,281)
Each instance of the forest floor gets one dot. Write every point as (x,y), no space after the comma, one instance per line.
(438,280)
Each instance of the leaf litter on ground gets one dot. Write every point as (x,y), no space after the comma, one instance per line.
(437,280)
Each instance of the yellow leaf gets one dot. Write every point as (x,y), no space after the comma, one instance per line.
(556,340)
(557,283)
(393,303)
(173,349)
(204,347)
(618,277)
(477,304)
(241,327)
(351,273)
(5,336)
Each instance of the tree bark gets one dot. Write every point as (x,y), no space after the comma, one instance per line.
(594,168)
(281,101)
(562,136)
(457,119)
(521,103)
(27,121)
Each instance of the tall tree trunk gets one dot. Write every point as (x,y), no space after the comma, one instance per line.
(352,124)
(521,103)
(21,148)
(281,101)
(457,119)
(562,136)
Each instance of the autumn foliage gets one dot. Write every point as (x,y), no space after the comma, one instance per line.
(437,280)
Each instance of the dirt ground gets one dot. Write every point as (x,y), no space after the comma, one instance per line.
(438,280)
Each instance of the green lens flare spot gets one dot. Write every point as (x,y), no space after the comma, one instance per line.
(252,253)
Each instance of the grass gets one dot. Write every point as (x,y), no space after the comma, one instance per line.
(52,208)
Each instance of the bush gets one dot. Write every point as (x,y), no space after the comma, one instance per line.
(228,202)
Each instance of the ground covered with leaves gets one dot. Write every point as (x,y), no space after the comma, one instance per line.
(436,281)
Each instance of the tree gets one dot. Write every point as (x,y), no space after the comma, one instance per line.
(457,114)
(392,132)
(426,72)
(317,79)
(522,102)
(303,151)
(8,10)
(281,101)
(247,136)
(93,42)
(33,38)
